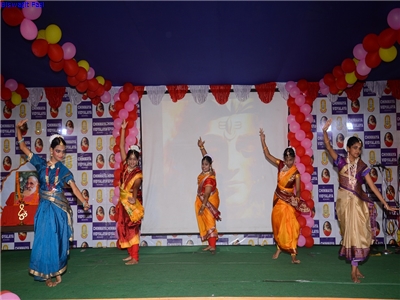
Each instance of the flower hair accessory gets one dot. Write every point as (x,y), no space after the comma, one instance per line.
(135,148)
(294,150)
(55,136)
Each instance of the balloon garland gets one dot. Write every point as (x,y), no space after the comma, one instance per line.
(301,98)
(79,74)
(12,94)
(367,55)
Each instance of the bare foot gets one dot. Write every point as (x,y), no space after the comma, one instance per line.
(127,258)
(131,262)
(354,278)
(212,250)
(206,248)
(359,275)
(294,260)
(276,255)
(49,282)
(58,280)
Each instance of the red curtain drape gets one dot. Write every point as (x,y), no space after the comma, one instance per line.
(54,95)
(177,92)
(221,92)
(354,92)
(394,86)
(266,91)
(139,90)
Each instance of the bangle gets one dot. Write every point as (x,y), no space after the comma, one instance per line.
(201,148)
(203,205)
(20,141)
(265,148)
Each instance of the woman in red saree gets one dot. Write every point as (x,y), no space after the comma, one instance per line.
(207,201)
(129,210)
(285,226)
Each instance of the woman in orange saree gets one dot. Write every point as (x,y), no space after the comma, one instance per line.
(285,226)
(129,210)
(207,202)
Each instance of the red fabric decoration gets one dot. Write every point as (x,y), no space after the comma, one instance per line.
(353,93)
(394,86)
(139,90)
(221,92)
(266,91)
(313,88)
(177,92)
(54,95)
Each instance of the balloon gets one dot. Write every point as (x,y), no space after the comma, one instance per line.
(309,118)
(134,98)
(12,16)
(294,127)
(359,52)
(93,84)
(306,178)
(341,82)
(308,185)
(100,90)
(302,84)
(118,105)
(82,86)
(325,91)
(300,151)
(301,168)
(294,110)
(388,54)
(91,73)
(16,98)
(299,117)
(372,60)
(115,200)
(305,195)
(130,140)
(305,159)
(134,131)
(123,114)
(289,85)
(309,151)
(305,109)
(300,100)
(362,68)
(294,143)
(309,135)
(39,48)
(128,88)
(309,242)
(41,35)
(106,97)
(350,78)
(124,96)
(393,18)
(301,241)
(322,84)
(55,52)
(370,42)
(118,157)
(290,102)
(305,126)
(290,135)
(333,89)
(28,29)
(329,79)
(81,75)
(348,65)
(72,81)
(309,222)
(11,84)
(294,92)
(5,93)
(83,63)
(118,123)
(129,106)
(387,38)
(53,34)
(306,231)
(100,79)
(300,135)
(107,85)
(56,66)
(337,71)
(71,68)
(69,50)
(116,191)
(32,12)
(290,119)
(9,296)
(302,221)
(115,132)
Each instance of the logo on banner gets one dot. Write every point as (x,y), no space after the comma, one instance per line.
(38,127)
(6,146)
(355,106)
(99,196)
(84,231)
(371,105)
(99,144)
(388,175)
(387,124)
(68,161)
(372,159)
(325,211)
(84,180)
(68,110)
(84,127)
(111,195)
(322,106)
(324,158)
(371,122)
(22,110)
(112,143)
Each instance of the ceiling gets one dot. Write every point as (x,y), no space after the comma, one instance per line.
(201,43)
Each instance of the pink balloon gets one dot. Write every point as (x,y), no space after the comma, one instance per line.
(28,29)
(309,186)
(116,98)
(118,157)
(309,151)
(322,84)
(305,109)
(294,127)
(134,98)
(133,131)
(300,135)
(11,84)
(305,178)
(106,97)
(115,200)
(118,123)
(91,73)
(117,165)
(123,114)
(301,241)
(70,51)
(116,191)
(129,106)
(32,12)
(130,140)
(300,100)
(294,92)
(289,85)
(309,222)
(301,168)
(324,91)
(290,119)
(297,159)
(362,68)
(359,52)
(121,89)
(115,133)
(306,143)
(9,296)
(309,118)
(393,18)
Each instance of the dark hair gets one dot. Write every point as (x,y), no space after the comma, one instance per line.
(130,152)
(289,152)
(57,141)
(208,159)
(353,140)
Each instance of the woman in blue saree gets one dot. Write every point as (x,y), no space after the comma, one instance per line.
(53,220)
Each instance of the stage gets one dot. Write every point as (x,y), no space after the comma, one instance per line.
(188,272)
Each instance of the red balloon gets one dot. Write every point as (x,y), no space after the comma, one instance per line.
(20,88)
(72,81)
(115,182)
(55,52)
(91,94)
(290,102)
(116,149)
(12,16)
(302,84)
(5,93)
(128,88)
(302,186)
(309,242)
(100,90)
(294,143)
(82,74)
(130,124)
(82,86)
(71,67)
(133,115)
(124,96)
(24,94)
(309,169)
(300,118)
(93,84)
(302,221)
(300,151)
(305,195)
(310,203)
(360,77)
(329,79)
(107,85)
(341,83)
(305,126)
(333,89)
(305,160)
(348,65)
(338,72)
(372,59)
(118,140)
(118,105)
(294,110)
(306,231)
(309,135)
(96,100)
(56,66)
(310,100)
(40,47)
(9,104)
(84,96)
(290,135)
(371,42)
(387,38)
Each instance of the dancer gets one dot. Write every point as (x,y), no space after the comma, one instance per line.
(207,201)
(285,226)
(53,220)
(129,210)
(356,212)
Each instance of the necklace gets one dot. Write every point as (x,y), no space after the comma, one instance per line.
(352,169)
(52,186)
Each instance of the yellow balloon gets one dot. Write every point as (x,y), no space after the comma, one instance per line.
(100,79)
(53,34)
(356,61)
(84,64)
(41,35)
(388,54)
(16,98)
(350,78)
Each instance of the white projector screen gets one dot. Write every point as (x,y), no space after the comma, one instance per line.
(172,161)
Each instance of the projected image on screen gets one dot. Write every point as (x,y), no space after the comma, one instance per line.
(246,181)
